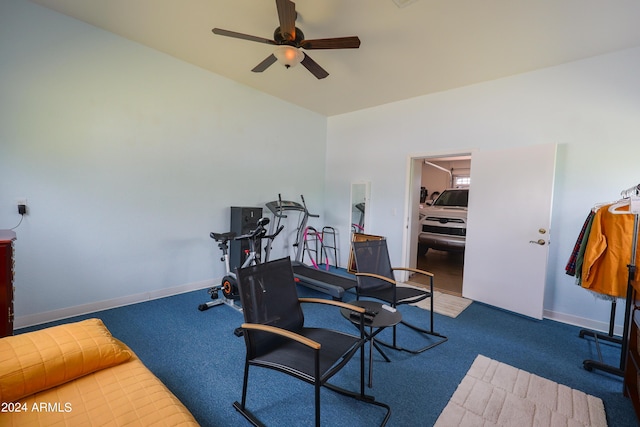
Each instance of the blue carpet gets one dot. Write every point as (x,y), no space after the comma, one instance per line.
(199,358)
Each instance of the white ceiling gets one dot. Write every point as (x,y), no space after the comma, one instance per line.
(425,47)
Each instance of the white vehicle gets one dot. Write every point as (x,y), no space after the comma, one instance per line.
(444,224)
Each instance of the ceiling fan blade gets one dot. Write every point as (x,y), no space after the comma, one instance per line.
(221,32)
(334,43)
(287,17)
(264,64)
(313,66)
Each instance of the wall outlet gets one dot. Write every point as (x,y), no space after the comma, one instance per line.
(22,206)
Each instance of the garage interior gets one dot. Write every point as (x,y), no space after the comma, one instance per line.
(448,267)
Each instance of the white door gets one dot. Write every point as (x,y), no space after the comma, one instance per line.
(508,226)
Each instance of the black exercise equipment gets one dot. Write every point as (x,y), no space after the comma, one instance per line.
(228,285)
(321,280)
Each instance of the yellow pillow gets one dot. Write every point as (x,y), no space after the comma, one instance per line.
(36,361)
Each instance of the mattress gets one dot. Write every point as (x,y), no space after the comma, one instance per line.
(79,375)
(124,395)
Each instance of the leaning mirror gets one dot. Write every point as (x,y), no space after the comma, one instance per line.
(359,198)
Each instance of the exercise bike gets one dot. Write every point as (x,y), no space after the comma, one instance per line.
(229,283)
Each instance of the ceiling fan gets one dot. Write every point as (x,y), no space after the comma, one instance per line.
(290,39)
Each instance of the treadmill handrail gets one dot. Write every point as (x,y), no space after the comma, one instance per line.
(277,207)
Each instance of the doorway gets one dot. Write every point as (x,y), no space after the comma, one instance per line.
(509,226)
(442,223)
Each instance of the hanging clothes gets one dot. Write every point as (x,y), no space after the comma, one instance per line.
(608,252)
(575,260)
(583,248)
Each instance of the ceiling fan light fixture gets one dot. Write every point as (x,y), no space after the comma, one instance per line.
(289,56)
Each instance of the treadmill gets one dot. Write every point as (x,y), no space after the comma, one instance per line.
(323,281)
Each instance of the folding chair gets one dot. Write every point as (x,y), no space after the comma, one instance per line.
(276,338)
(375,277)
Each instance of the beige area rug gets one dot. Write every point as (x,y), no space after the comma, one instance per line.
(445,304)
(495,394)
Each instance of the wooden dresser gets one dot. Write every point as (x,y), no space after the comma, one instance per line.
(6,282)
(632,371)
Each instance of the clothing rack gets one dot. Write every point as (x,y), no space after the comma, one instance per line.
(619,370)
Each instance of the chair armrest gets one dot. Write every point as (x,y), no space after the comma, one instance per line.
(283,332)
(377,276)
(332,302)
(413,270)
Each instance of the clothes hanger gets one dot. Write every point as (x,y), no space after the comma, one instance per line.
(614,207)
(602,204)
(626,201)
(633,191)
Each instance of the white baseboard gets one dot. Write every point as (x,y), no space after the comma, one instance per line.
(582,322)
(64,313)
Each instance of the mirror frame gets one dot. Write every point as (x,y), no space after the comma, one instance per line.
(360,193)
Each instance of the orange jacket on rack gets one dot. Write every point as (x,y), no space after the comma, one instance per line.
(608,252)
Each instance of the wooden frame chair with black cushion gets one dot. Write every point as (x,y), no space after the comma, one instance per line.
(276,337)
(376,279)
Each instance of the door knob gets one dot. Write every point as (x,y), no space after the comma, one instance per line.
(542,231)
(540,242)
